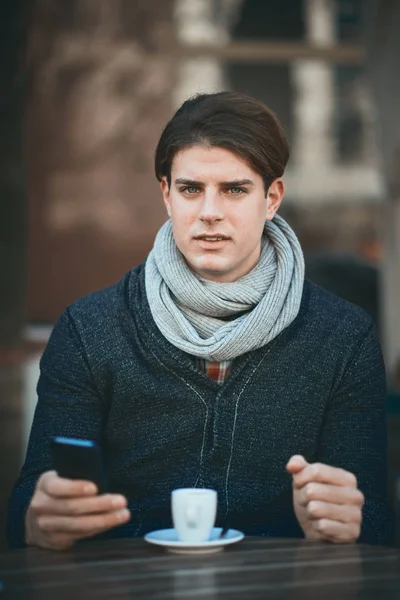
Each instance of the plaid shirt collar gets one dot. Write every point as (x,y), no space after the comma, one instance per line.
(218,371)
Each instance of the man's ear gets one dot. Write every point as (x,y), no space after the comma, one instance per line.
(165,193)
(274,198)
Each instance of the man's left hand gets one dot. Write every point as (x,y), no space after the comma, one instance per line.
(326,501)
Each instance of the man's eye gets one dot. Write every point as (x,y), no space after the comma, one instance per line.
(236,191)
(190,190)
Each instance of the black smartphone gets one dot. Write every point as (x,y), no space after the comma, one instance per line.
(79,459)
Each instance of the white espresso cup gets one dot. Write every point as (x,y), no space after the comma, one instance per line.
(193,513)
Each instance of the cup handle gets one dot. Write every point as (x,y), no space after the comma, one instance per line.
(192,515)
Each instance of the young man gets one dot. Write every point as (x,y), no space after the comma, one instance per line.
(214,364)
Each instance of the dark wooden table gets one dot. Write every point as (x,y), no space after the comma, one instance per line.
(253,568)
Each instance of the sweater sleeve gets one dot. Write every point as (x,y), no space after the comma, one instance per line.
(68,405)
(354,435)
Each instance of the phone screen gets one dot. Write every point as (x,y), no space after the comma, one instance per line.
(79,459)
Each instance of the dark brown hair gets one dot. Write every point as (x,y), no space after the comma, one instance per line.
(230,120)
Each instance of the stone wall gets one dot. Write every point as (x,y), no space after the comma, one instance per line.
(101,77)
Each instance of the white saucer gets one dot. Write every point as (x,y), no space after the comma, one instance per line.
(169,539)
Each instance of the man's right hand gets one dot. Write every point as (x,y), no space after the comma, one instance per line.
(63,511)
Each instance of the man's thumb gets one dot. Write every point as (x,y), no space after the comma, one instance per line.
(296,464)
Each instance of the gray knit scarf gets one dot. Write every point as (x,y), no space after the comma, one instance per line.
(192,312)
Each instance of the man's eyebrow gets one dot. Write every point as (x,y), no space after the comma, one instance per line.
(237,182)
(182,180)
(234,183)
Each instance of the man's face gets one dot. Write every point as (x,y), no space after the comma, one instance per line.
(218,206)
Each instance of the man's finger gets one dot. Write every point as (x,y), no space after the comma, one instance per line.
(325,492)
(337,532)
(334,512)
(44,504)
(82,526)
(59,542)
(324,474)
(56,486)
(296,464)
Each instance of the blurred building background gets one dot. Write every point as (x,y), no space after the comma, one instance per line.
(87,86)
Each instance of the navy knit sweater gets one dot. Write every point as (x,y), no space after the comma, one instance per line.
(318,389)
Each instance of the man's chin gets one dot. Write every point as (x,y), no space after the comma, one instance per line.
(207,268)
(213,272)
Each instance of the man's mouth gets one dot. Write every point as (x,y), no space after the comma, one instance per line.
(212,238)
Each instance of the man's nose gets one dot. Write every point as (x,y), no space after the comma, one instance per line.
(212,207)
